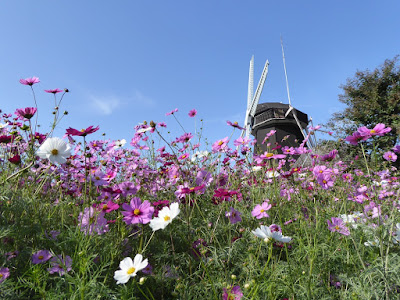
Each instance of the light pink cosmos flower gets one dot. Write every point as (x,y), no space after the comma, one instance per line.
(41,257)
(60,265)
(137,212)
(355,138)
(171,112)
(29,81)
(4,274)
(390,156)
(234,124)
(220,145)
(337,225)
(260,211)
(379,130)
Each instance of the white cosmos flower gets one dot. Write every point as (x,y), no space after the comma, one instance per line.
(272,174)
(199,155)
(165,216)
(55,150)
(129,268)
(119,143)
(265,233)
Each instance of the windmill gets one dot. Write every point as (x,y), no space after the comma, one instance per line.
(261,118)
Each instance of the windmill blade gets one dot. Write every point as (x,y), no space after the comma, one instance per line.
(259,89)
(250,89)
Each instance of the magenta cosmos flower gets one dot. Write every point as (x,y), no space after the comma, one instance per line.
(137,212)
(55,91)
(82,132)
(260,211)
(232,293)
(171,112)
(192,113)
(338,225)
(41,257)
(29,81)
(25,113)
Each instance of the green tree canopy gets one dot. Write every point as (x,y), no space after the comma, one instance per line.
(371,98)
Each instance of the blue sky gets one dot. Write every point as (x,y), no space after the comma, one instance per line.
(127,61)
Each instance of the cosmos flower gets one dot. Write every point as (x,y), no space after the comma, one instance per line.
(171,112)
(25,113)
(137,212)
(29,81)
(92,221)
(260,211)
(337,225)
(60,265)
(232,293)
(233,215)
(192,113)
(267,234)
(234,124)
(390,156)
(82,132)
(165,216)
(41,257)
(55,150)
(129,268)
(54,91)
(220,145)
(4,273)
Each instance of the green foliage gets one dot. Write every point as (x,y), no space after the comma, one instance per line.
(371,97)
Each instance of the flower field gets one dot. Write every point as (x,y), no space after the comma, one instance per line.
(151,218)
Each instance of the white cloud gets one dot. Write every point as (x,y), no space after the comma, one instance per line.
(105,105)
(139,99)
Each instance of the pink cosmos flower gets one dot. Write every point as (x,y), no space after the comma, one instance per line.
(233,215)
(396,148)
(55,91)
(29,81)
(25,113)
(137,212)
(325,180)
(192,113)
(379,130)
(355,138)
(232,293)
(109,206)
(241,141)
(234,124)
(260,211)
(220,145)
(171,112)
(82,132)
(338,225)
(41,257)
(390,156)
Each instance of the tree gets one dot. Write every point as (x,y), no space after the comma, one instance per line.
(371,98)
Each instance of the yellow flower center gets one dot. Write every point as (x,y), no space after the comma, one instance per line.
(166,218)
(372,131)
(82,130)
(105,206)
(130,270)
(1,275)
(40,257)
(262,210)
(337,227)
(54,151)
(269,154)
(220,143)
(136,212)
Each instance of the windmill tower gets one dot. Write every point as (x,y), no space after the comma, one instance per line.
(262,118)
